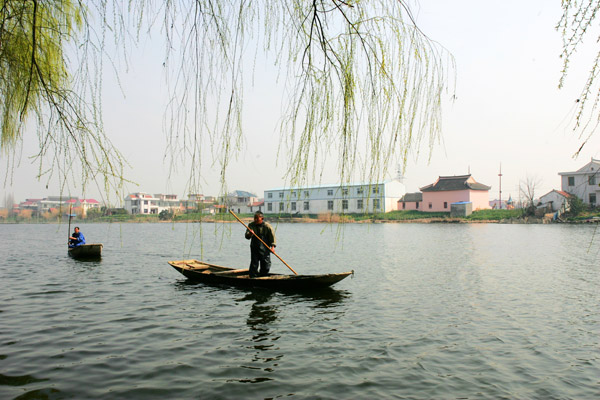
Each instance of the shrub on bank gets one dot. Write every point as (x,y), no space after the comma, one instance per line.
(495,215)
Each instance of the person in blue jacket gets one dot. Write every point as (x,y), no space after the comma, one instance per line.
(77,239)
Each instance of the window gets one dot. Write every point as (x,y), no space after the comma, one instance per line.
(376,204)
(344,192)
(306,193)
(330,204)
(593,199)
(306,206)
(592,179)
(375,189)
(293,206)
(344,204)
(270,195)
(329,192)
(293,193)
(360,190)
(359,204)
(269,206)
(430,205)
(417,205)
(403,205)
(571,180)
(280,206)
(281,195)
(445,204)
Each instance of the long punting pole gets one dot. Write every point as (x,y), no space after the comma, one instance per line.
(69,232)
(263,242)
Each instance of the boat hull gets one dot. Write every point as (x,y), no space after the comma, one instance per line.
(199,271)
(92,251)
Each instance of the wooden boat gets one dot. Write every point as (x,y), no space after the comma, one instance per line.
(86,251)
(200,271)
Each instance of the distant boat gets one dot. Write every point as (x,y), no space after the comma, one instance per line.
(200,271)
(86,251)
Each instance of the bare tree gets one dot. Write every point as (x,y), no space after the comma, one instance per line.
(527,188)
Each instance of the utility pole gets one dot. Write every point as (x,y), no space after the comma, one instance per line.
(500,188)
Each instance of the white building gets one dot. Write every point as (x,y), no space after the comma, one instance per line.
(347,199)
(144,203)
(557,199)
(241,202)
(583,183)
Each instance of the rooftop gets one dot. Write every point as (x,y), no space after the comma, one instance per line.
(458,182)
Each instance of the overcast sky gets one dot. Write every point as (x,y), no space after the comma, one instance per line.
(508,110)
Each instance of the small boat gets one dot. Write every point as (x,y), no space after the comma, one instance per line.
(86,251)
(200,271)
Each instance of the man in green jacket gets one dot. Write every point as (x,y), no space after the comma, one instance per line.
(259,254)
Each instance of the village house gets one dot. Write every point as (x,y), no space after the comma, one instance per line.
(411,201)
(337,198)
(199,202)
(241,202)
(557,200)
(583,183)
(144,203)
(58,203)
(446,190)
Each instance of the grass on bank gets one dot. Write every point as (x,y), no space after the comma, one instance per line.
(410,215)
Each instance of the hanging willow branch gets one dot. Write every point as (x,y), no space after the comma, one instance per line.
(363,82)
(575,24)
(37,88)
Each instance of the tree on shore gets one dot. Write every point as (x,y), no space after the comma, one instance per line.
(528,189)
(360,75)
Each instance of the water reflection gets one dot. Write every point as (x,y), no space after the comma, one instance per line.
(261,315)
(323,298)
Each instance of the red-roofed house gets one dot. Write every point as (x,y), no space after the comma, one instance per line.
(558,200)
(455,189)
(87,204)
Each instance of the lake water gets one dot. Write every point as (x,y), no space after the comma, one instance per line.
(453,311)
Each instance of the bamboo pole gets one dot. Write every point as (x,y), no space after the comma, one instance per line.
(69,232)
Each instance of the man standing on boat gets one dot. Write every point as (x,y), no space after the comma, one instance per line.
(259,254)
(77,239)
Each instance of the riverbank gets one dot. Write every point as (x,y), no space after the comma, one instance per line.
(418,217)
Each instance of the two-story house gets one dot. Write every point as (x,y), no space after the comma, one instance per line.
(583,183)
(241,202)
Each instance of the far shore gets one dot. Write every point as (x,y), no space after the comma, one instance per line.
(328,218)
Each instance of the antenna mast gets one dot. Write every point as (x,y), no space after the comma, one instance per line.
(500,187)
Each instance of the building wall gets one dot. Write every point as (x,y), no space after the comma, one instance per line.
(557,200)
(580,185)
(410,205)
(480,199)
(435,201)
(358,198)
